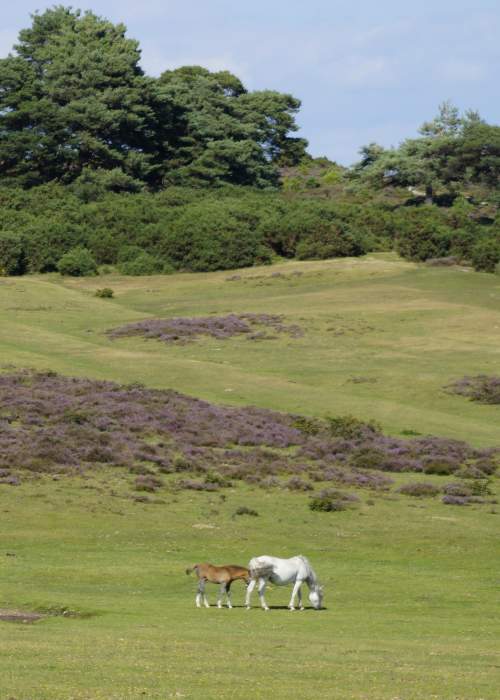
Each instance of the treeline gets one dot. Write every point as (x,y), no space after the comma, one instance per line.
(101,165)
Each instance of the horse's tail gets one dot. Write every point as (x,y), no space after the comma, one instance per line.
(191,569)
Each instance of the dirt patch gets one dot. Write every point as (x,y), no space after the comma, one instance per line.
(19,616)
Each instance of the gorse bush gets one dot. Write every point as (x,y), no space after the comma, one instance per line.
(77,262)
(12,254)
(143,264)
(105,293)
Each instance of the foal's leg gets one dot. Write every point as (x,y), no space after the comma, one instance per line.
(296,589)
(201,589)
(222,590)
(199,593)
(262,588)
(228,595)
(250,587)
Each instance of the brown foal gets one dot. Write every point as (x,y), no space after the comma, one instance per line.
(223,575)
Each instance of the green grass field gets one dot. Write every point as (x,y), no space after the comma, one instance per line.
(411,585)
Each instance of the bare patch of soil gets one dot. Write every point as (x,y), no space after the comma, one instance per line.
(22,616)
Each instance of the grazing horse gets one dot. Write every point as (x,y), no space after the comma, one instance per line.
(296,570)
(224,575)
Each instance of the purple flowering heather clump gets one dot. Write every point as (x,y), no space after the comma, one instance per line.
(481,388)
(50,423)
(419,489)
(185,330)
(455,500)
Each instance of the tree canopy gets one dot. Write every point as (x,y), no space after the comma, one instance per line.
(452,149)
(73,99)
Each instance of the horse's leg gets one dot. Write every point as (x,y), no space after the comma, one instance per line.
(299,596)
(296,589)
(250,587)
(228,595)
(202,592)
(222,590)
(199,593)
(262,588)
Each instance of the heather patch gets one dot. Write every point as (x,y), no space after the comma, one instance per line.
(482,388)
(50,423)
(419,489)
(185,330)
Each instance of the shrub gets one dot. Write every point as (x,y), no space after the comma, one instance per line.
(419,489)
(329,241)
(457,489)
(325,504)
(351,428)
(77,262)
(485,255)
(298,484)
(218,480)
(143,264)
(441,465)
(243,510)
(105,293)
(330,500)
(481,388)
(213,235)
(422,233)
(12,254)
(147,482)
(455,500)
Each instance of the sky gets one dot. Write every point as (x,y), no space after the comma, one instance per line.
(365,70)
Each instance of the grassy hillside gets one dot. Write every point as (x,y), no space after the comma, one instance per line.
(410,584)
(381,338)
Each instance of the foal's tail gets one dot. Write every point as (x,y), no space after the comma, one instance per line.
(193,568)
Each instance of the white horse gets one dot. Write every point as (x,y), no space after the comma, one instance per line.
(296,570)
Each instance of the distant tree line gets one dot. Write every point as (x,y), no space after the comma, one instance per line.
(102,165)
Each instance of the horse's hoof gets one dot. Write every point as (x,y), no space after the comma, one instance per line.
(302,608)
(291,608)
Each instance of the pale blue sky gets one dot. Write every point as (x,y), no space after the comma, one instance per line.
(365,70)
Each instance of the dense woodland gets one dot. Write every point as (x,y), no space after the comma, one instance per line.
(102,165)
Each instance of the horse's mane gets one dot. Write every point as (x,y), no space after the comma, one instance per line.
(311,574)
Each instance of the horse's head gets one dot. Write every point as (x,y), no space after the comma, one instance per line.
(316,597)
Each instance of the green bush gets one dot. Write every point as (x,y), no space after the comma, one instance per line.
(329,241)
(77,262)
(422,233)
(12,254)
(213,235)
(105,293)
(485,254)
(143,264)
